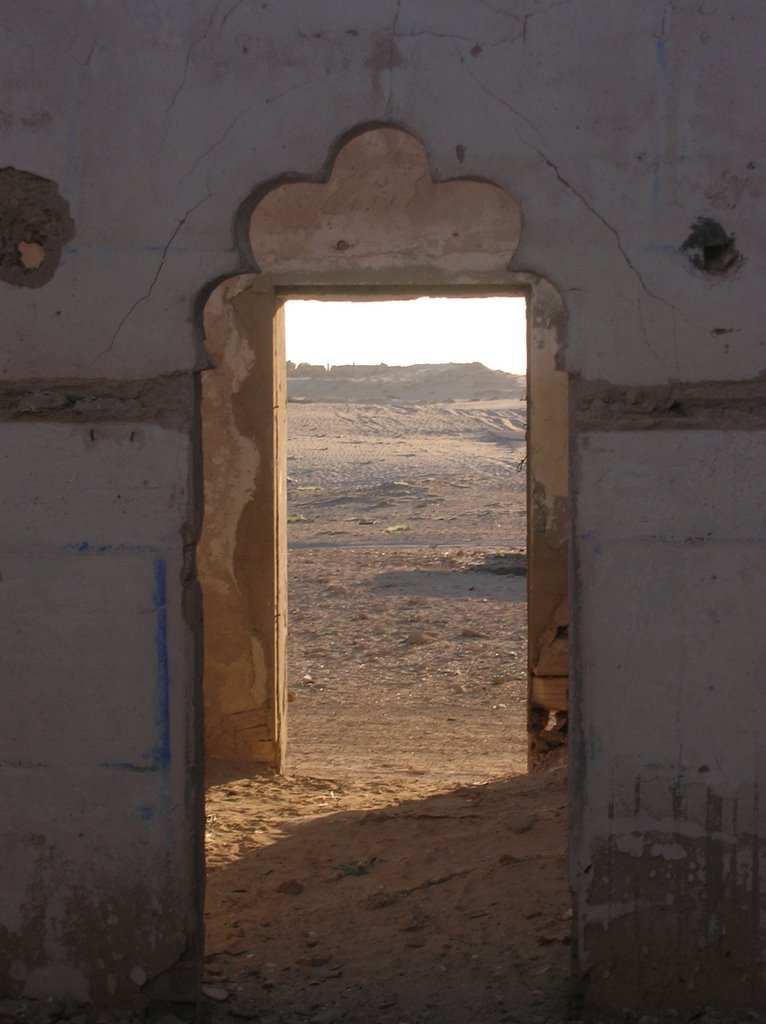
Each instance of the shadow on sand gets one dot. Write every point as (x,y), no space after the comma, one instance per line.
(452,908)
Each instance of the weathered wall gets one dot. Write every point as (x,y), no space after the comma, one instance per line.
(548,523)
(241,560)
(630,136)
(100,889)
(668,661)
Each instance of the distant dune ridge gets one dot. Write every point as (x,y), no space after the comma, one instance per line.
(423,382)
(457,427)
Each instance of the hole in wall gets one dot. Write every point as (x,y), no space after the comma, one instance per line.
(710,248)
(35,225)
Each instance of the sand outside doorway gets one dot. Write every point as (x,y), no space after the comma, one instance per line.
(407,567)
(456,878)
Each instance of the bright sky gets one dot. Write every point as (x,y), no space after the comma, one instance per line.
(402,332)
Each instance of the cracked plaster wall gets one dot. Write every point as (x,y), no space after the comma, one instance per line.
(616,129)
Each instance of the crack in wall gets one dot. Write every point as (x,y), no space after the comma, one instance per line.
(189,53)
(497,10)
(295,88)
(503,102)
(535,14)
(552,166)
(220,140)
(154,280)
(666,12)
(391,55)
(523,18)
(237,4)
(482,44)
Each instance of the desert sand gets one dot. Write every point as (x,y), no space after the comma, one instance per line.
(404,868)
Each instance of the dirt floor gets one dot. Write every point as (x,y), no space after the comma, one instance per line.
(404,869)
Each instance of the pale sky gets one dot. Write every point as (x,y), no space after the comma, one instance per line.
(402,332)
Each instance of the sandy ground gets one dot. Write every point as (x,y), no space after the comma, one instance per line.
(407,586)
(404,869)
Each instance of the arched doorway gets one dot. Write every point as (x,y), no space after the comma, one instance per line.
(378,225)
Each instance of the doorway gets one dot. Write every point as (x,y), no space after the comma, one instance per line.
(243,553)
(407,537)
(428,907)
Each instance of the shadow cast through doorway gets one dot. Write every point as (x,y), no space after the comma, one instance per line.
(454,907)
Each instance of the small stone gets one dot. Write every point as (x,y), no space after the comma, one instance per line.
(138,976)
(416,639)
(291,696)
(290,886)
(219,995)
(378,900)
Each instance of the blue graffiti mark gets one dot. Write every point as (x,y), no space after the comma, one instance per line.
(158,759)
(661,106)
(145,812)
(161,753)
(661,55)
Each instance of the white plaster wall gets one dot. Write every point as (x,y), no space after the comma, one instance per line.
(670,654)
(614,125)
(96,661)
(671,595)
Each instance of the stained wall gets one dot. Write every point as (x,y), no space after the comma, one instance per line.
(629,136)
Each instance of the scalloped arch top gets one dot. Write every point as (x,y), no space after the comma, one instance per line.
(381,210)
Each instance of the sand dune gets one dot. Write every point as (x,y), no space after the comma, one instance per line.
(416,446)
(422,382)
